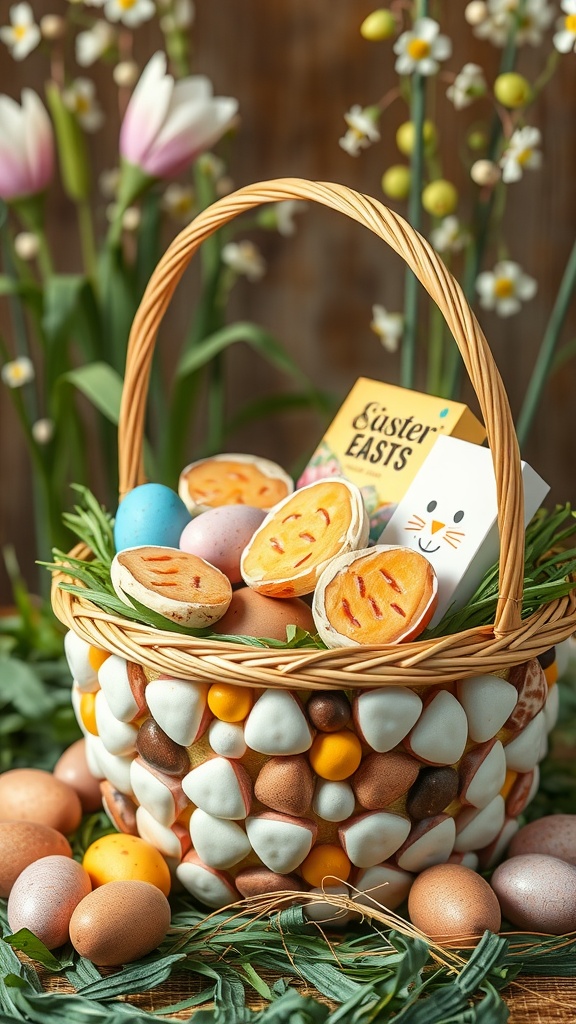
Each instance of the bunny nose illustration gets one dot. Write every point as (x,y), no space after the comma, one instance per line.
(436,525)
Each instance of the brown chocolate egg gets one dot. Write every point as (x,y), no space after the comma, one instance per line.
(286,784)
(120,922)
(253,614)
(30,794)
(329,711)
(453,905)
(72,768)
(22,843)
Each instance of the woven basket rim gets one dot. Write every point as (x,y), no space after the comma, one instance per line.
(488,649)
(476,651)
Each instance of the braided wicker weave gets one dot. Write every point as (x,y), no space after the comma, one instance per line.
(487,649)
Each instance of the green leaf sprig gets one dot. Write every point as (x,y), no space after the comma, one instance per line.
(549,568)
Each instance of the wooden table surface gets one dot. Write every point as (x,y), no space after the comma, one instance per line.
(531,1000)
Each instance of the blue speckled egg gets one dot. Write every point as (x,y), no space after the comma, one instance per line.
(150,514)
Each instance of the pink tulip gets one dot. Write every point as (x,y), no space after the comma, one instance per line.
(26,147)
(167,123)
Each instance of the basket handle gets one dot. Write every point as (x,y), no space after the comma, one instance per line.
(441,286)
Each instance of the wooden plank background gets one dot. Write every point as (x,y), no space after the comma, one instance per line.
(296,67)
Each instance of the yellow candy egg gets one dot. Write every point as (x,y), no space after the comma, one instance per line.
(119,857)
(97,657)
(325,862)
(335,755)
(88,712)
(229,703)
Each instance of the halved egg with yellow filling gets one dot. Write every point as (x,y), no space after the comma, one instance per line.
(301,534)
(233,479)
(379,595)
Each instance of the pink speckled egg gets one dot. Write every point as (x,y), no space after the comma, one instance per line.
(537,893)
(44,896)
(554,835)
(221,534)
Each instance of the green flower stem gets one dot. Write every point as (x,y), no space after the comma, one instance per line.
(411,286)
(178,50)
(30,210)
(545,356)
(87,240)
(434,382)
(482,216)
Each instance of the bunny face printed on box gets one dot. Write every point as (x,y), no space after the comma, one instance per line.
(450,514)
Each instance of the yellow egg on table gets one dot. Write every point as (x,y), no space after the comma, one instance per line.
(335,755)
(119,857)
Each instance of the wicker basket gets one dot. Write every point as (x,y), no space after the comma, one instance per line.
(425,666)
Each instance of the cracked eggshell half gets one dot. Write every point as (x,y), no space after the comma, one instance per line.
(302,534)
(233,479)
(182,587)
(379,595)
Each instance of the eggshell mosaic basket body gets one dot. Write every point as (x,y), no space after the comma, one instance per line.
(361,765)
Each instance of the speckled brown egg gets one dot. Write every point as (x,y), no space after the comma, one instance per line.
(253,614)
(554,835)
(72,768)
(329,711)
(537,893)
(453,905)
(286,784)
(44,896)
(120,922)
(30,794)
(22,843)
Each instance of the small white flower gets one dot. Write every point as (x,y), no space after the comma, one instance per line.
(211,164)
(503,18)
(388,327)
(26,246)
(285,214)
(23,34)
(535,18)
(80,97)
(244,258)
(422,48)
(43,431)
(130,218)
(108,182)
(362,130)
(18,372)
(565,39)
(468,86)
(181,16)
(505,288)
(91,44)
(178,202)
(52,27)
(130,12)
(449,236)
(522,151)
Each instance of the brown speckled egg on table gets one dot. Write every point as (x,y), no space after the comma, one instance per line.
(537,893)
(30,794)
(44,896)
(72,768)
(554,835)
(453,905)
(120,922)
(22,843)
